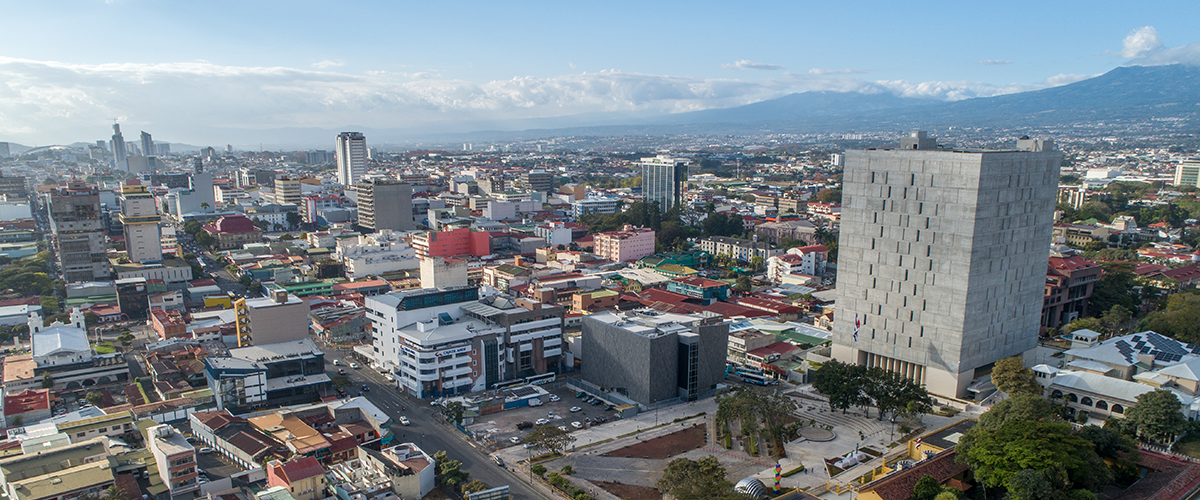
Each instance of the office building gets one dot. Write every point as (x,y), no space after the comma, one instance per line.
(351,155)
(538,180)
(628,244)
(147,144)
(649,356)
(13,187)
(279,317)
(440,272)
(4,152)
(268,375)
(453,243)
(319,157)
(664,180)
(140,218)
(583,207)
(943,258)
(1187,173)
(287,190)
(450,340)
(78,228)
(314,203)
(118,148)
(385,204)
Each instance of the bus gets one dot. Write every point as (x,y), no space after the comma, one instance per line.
(755,377)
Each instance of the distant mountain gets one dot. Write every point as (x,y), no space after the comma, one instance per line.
(801,105)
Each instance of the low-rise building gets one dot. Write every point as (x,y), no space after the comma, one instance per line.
(1070,280)
(284,373)
(175,458)
(403,470)
(233,231)
(699,288)
(303,477)
(809,260)
(739,249)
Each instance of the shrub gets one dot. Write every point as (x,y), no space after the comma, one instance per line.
(556,480)
(538,469)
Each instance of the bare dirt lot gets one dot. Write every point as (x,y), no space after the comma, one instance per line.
(664,446)
(629,491)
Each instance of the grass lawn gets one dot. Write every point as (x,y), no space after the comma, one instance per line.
(105,348)
(1189,445)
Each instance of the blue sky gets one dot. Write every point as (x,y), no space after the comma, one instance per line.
(192,70)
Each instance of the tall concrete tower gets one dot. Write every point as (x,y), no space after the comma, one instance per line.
(351,156)
(147,144)
(140,217)
(943,257)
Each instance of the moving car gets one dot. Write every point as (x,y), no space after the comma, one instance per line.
(499,461)
(341,371)
(366,388)
(515,440)
(354,365)
(403,420)
(205,451)
(337,362)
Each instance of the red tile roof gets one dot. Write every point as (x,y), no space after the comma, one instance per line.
(1072,263)
(779,348)
(26,401)
(899,485)
(298,469)
(1181,274)
(700,282)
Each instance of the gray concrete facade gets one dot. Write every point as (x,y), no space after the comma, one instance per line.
(943,257)
(641,354)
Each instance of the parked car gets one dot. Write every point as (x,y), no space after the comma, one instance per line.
(575,409)
(404,420)
(541,421)
(549,414)
(205,451)
(515,440)
(354,365)
(554,398)
(576,425)
(535,402)
(389,378)
(524,425)
(578,395)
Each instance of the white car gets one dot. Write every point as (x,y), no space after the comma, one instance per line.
(205,451)
(563,428)
(404,420)
(554,398)
(389,378)
(515,440)
(576,424)
(337,362)
(576,409)
(354,365)
(541,421)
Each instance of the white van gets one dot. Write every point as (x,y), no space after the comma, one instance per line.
(535,402)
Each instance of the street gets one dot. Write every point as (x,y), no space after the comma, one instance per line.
(423,430)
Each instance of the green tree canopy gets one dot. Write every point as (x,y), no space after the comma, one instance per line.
(997,455)
(1157,416)
(1020,407)
(1179,320)
(1012,376)
(550,438)
(702,479)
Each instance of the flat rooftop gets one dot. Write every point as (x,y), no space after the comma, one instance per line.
(278,350)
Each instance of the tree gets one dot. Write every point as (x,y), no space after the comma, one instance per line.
(839,382)
(1115,288)
(449,472)
(49,304)
(93,398)
(1179,320)
(996,455)
(550,438)
(538,469)
(1012,376)
(756,262)
(685,479)
(1115,317)
(126,339)
(473,487)
(294,219)
(928,488)
(204,204)
(828,196)
(115,493)
(1028,484)
(567,470)
(192,227)
(1092,324)
(1020,407)
(287,237)
(454,412)
(743,284)
(204,239)
(1156,416)
(47,381)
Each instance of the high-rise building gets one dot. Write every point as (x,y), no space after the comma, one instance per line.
(663,180)
(287,189)
(1187,173)
(351,154)
(943,258)
(385,204)
(118,148)
(140,218)
(13,186)
(78,227)
(538,180)
(147,144)
(4,150)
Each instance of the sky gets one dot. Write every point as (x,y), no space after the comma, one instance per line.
(218,72)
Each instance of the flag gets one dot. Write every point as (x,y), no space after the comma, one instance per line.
(857,324)
(918,443)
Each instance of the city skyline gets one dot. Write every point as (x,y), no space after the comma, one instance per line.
(491,66)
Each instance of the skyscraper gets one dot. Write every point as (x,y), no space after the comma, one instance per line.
(943,257)
(351,156)
(140,218)
(663,180)
(118,148)
(147,144)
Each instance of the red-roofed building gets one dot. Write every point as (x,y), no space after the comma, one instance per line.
(29,406)
(1180,277)
(1070,280)
(168,324)
(304,477)
(809,260)
(233,231)
(781,310)
(699,288)
(762,357)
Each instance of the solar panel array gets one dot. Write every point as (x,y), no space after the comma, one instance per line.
(1162,348)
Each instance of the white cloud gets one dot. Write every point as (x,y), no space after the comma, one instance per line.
(1141,42)
(1185,54)
(327,64)
(994,62)
(745,64)
(845,71)
(45,101)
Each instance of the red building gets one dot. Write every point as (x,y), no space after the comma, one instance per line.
(168,324)
(453,243)
(29,406)
(233,231)
(1070,280)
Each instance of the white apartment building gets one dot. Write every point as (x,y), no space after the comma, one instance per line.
(455,340)
(810,260)
(351,155)
(376,253)
(595,206)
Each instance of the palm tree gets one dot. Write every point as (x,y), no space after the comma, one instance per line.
(204,205)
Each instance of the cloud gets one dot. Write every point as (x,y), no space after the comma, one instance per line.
(1185,54)
(45,101)
(745,64)
(1141,42)
(326,64)
(846,71)
(994,62)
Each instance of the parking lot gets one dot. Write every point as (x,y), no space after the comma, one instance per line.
(502,426)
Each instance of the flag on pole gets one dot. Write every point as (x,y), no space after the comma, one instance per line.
(918,443)
(857,324)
